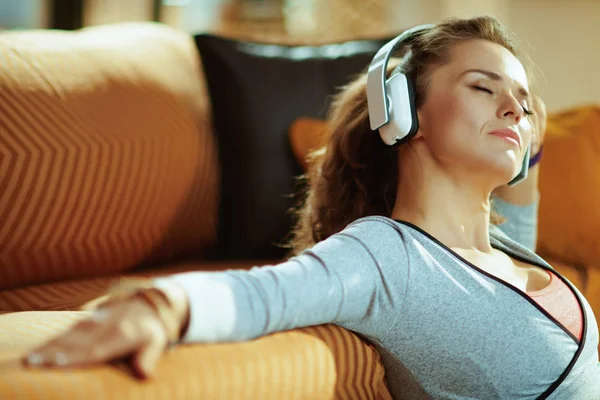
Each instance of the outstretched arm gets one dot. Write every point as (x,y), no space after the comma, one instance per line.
(352,279)
(340,280)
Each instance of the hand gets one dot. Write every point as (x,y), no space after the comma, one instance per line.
(127,327)
(538,124)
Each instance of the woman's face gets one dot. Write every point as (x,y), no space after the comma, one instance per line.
(483,89)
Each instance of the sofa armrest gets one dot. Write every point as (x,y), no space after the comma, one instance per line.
(321,362)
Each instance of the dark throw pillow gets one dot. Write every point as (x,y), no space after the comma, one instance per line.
(257,91)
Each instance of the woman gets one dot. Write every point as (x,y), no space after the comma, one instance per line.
(398,245)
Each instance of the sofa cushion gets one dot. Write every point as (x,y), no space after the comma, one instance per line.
(323,362)
(257,91)
(569,215)
(108,157)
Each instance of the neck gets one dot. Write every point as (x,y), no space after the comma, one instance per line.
(458,215)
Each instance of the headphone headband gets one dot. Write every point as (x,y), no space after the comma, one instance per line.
(379,113)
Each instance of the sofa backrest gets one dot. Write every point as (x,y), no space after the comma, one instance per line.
(107,158)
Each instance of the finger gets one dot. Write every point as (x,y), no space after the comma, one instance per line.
(145,360)
(56,351)
(91,341)
(81,352)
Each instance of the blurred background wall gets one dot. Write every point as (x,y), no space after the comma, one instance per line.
(561,36)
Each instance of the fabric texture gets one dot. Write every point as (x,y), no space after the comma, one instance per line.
(417,302)
(109,161)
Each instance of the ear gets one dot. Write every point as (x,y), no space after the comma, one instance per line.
(419,133)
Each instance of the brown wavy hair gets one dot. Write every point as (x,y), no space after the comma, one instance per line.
(355,174)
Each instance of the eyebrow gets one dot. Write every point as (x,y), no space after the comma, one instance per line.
(496,77)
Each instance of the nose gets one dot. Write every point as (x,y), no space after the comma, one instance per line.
(511,109)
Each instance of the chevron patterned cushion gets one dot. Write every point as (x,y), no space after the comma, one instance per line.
(107,160)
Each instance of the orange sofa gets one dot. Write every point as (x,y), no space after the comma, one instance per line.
(108,170)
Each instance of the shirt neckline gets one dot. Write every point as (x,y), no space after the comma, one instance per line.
(496,244)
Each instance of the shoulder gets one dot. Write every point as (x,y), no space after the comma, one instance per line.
(378,227)
(374,236)
(378,234)
(374,223)
(371,247)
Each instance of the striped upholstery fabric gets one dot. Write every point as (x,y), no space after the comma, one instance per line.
(322,362)
(107,159)
(79,294)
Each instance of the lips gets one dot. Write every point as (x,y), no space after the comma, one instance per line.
(507,132)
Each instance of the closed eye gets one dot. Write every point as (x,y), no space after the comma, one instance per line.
(481,88)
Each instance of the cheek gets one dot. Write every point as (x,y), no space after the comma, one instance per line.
(456,118)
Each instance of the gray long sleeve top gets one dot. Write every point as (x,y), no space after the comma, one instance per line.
(445,329)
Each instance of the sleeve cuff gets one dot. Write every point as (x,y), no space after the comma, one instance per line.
(212,306)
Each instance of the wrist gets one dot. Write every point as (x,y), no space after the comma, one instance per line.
(535,159)
(168,302)
(178,302)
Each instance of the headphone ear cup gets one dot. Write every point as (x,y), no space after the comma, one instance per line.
(403,123)
(412,96)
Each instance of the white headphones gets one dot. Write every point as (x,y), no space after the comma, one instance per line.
(391,101)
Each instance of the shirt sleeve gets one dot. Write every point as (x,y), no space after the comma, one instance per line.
(521,221)
(341,280)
